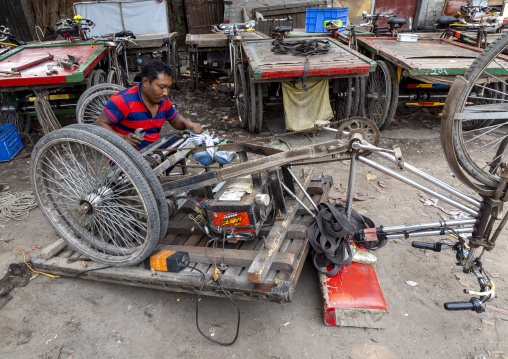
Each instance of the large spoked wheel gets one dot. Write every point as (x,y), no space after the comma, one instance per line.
(142,165)
(94,197)
(99,77)
(343,98)
(394,98)
(96,88)
(480,151)
(241,95)
(378,94)
(93,105)
(252,106)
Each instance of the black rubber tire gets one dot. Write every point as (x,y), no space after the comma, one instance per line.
(253,107)
(142,165)
(112,76)
(241,95)
(356,96)
(175,65)
(90,76)
(65,224)
(343,99)
(99,77)
(96,88)
(259,114)
(378,94)
(361,102)
(394,98)
(464,158)
(92,106)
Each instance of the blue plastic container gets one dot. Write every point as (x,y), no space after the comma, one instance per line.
(316,18)
(10,143)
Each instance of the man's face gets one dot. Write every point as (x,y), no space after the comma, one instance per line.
(158,90)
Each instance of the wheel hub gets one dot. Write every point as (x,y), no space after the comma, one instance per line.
(359,128)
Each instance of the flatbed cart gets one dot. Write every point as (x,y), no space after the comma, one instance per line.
(266,70)
(22,80)
(422,71)
(209,52)
(157,44)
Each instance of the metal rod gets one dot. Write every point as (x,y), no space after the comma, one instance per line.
(419,186)
(499,229)
(427,233)
(435,181)
(429,225)
(298,200)
(351,186)
(304,191)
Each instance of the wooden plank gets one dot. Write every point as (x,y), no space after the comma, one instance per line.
(53,249)
(234,257)
(265,257)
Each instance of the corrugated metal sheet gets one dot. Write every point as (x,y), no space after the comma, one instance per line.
(202,14)
(12,16)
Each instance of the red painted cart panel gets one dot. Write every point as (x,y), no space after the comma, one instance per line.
(340,61)
(87,57)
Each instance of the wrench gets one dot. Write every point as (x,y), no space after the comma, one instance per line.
(140,133)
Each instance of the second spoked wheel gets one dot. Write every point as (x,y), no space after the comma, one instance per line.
(378,94)
(95,197)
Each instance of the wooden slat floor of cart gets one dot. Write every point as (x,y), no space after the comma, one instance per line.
(277,286)
(218,40)
(338,61)
(428,56)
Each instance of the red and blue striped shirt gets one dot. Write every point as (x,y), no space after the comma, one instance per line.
(128,112)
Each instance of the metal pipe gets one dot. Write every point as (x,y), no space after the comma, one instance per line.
(428,225)
(426,233)
(351,186)
(435,181)
(419,186)
(499,229)
(298,200)
(304,191)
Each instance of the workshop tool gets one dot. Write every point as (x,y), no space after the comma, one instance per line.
(32,63)
(140,133)
(6,72)
(67,64)
(51,70)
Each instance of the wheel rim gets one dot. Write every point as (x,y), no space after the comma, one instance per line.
(343,99)
(97,207)
(378,94)
(100,77)
(241,96)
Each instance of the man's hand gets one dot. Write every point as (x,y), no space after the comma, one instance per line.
(132,139)
(195,127)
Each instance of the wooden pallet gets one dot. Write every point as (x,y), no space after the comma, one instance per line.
(266,268)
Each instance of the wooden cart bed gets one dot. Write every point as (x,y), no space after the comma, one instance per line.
(340,61)
(275,258)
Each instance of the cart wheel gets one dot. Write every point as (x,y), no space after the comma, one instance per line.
(241,95)
(96,88)
(90,78)
(378,94)
(481,152)
(356,96)
(8,114)
(343,99)
(141,164)
(99,77)
(394,98)
(175,64)
(93,106)
(94,197)
(252,106)
(259,114)
(361,102)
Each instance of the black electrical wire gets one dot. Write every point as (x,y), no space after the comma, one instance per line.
(91,270)
(197,310)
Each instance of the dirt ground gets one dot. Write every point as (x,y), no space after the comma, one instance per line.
(74,318)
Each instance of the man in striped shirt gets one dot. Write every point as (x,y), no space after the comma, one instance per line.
(144,106)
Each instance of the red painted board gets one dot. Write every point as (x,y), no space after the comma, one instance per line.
(354,291)
(87,56)
(282,73)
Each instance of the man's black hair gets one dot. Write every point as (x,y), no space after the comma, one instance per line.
(153,68)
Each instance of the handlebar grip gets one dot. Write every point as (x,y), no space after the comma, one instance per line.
(436,247)
(474,304)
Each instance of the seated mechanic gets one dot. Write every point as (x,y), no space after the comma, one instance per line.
(145,106)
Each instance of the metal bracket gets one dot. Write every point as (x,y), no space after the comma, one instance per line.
(398,158)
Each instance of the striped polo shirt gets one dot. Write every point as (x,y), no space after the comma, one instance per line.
(128,112)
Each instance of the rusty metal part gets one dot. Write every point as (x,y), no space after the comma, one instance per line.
(358,129)
(399,158)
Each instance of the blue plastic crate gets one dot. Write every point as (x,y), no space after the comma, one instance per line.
(10,143)
(316,18)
